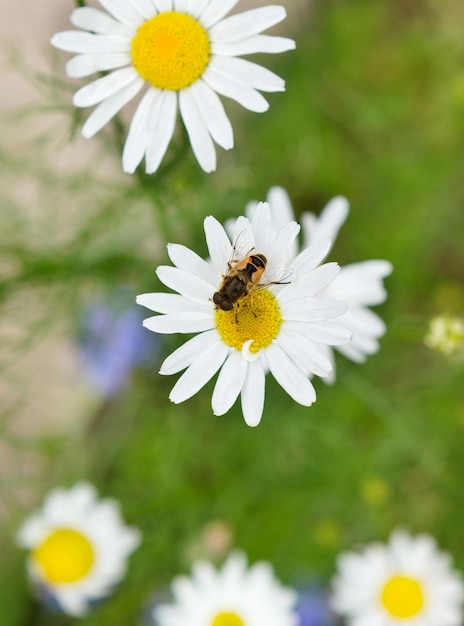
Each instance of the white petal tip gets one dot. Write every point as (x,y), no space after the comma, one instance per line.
(247,354)
(252,422)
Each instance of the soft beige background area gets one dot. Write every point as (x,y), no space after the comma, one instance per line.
(42,384)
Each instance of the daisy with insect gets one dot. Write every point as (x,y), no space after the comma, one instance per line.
(278,321)
(185,53)
(360,284)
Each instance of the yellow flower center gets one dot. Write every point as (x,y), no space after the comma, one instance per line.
(65,556)
(171,50)
(255,318)
(226,618)
(403,597)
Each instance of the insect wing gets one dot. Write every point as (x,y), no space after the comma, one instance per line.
(277,275)
(242,247)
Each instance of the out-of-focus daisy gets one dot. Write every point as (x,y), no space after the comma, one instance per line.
(445,334)
(78,546)
(280,328)
(113,343)
(360,285)
(186,53)
(235,595)
(407,582)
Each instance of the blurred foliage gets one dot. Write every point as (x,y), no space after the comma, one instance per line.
(374,110)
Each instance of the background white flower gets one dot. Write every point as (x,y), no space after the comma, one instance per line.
(360,285)
(235,595)
(78,547)
(281,329)
(407,582)
(186,52)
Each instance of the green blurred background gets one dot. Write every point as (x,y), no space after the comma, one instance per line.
(374,110)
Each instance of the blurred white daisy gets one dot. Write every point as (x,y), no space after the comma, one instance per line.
(360,285)
(235,595)
(407,582)
(280,328)
(186,52)
(78,548)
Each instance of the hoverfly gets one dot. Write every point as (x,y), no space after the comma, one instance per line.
(245,270)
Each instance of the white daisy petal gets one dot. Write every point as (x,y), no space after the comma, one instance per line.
(252,45)
(187,284)
(229,383)
(199,373)
(104,87)
(107,109)
(181,5)
(246,24)
(253,394)
(325,332)
(290,376)
(213,12)
(186,259)
(301,351)
(145,8)
(361,283)
(97,21)
(319,278)
(171,303)
(213,115)
(261,225)
(196,7)
(231,87)
(188,352)
(252,74)
(87,43)
(313,309)
(219,246)
(197,130)
(281,208)
(282,244)
(164,5)
(331,219)
(161,124)
(76,517)
(311,256)
(123,11)
(179,323)
(85,64)
(135,146)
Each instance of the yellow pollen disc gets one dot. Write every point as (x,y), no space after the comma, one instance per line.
(65,556)
(403,597)
(227,619)
(254,317)
(171,50)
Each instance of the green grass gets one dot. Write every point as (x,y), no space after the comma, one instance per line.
(374,110)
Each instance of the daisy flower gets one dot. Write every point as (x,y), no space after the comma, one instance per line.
(360,285)
(280,328)
(78,548)
(186,52)
(407,582)
(236,595)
